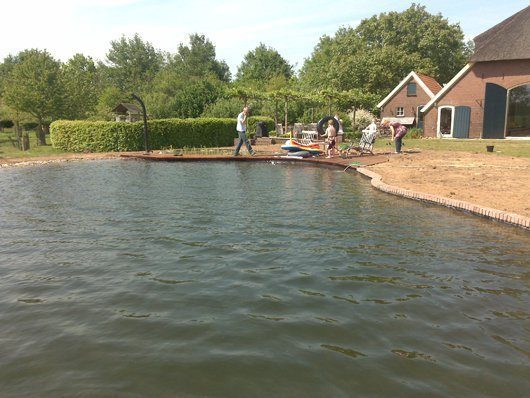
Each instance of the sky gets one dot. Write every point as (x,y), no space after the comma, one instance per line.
(293,28)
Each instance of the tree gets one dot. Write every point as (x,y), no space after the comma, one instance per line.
(132,63)
(286,94)
(34,86)
(82,87)
(383,49)
(188,100)
(223,107)
(261,65)
(198,59)
(416,31)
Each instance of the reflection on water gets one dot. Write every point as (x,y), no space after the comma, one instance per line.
(123,278)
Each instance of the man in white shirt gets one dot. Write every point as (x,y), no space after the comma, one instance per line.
(241,132)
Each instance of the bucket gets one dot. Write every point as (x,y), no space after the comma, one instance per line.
(489,148)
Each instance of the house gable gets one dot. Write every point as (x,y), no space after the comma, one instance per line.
(428,85)
(447,87)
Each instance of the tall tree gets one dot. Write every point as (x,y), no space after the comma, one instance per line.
(261,65)
(82,87)
(198,59)
(132,63)
(383,49)
(34,86)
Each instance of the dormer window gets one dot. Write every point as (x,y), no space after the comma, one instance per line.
(411,90)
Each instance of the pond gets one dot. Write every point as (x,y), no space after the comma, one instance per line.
(137,279)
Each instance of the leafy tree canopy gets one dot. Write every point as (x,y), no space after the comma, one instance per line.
(132,63)
(34,85)
(261,65)
(383,49)
(198,59)
(81,87)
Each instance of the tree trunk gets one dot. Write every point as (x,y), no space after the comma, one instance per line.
(286,113)
(18,132)
(41,134)
(275,112)
(25,142)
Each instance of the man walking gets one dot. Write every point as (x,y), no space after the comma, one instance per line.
(241,132)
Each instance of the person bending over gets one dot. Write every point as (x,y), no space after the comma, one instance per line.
(398,132)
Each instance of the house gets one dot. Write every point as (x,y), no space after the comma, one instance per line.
(407,98)
(490,96)
(126,112)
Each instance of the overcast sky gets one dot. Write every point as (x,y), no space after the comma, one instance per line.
(66,27)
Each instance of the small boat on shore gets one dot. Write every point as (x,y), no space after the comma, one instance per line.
(294,146)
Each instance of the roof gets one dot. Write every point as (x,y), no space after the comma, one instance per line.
(509,39)
(447,87)
(427,83)
(127,107)
(430,82)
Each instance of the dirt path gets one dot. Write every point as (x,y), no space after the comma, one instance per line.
(502,183)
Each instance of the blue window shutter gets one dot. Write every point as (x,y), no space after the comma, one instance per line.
(494,111)
(462,119)
(411,89)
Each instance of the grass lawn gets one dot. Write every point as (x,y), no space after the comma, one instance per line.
(517,148)
(7,150)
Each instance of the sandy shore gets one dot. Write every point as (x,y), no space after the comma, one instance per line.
(502,183)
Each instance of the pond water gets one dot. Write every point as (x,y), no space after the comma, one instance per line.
(138,279)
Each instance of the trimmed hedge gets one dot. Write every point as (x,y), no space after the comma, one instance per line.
(253,120)
(80,136)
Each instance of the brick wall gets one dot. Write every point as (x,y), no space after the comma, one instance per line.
(409,104)
(470,91)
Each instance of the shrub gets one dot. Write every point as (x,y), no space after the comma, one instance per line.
(362,119)
(99,136)
(79,136)
(253,120)
(353,135)
(30,125)
(6,124)
(415,132)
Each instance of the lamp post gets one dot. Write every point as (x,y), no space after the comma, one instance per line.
(146,144)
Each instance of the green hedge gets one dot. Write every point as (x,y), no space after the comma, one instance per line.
(79,136)
(253,120)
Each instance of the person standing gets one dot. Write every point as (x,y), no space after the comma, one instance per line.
(398,132)
(331,135)
(241,132)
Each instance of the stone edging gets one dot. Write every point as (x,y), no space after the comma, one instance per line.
(493,214)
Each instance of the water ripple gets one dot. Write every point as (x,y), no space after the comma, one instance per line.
(126,278)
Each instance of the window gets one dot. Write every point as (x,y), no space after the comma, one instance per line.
(400,111)
(411,90)
(518,115)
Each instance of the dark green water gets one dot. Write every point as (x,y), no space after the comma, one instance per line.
(132,279)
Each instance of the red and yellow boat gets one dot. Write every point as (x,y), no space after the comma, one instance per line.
(294,146)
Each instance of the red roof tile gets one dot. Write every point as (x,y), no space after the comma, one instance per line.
(430,82)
